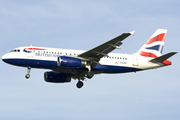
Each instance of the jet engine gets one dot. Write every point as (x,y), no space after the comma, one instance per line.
(66,61)
(56,77)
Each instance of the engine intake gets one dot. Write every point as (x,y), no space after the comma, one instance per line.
(66,61)
(55,77)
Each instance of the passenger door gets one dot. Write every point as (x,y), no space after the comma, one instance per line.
(135,60)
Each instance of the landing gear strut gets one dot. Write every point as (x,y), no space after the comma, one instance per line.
(90,74)
(28,71)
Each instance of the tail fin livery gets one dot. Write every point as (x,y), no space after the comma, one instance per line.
(154,46)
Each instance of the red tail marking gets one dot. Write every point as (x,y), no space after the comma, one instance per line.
(160,37)
(166,62)
(147,54)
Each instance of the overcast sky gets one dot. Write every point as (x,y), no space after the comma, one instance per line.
(78,24)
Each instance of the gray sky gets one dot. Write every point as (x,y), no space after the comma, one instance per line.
(152,94)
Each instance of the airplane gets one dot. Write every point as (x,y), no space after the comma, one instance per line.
(67,64)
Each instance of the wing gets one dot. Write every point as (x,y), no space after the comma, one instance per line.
(95,54)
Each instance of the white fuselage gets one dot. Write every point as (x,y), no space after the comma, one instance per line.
(42,57)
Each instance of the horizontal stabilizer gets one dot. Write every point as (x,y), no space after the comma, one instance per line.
(162,58)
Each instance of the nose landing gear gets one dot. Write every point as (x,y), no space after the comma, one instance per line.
(28,71)
(27,76)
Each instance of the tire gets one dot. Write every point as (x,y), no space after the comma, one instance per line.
(79,84)
(90,75)
(27,76)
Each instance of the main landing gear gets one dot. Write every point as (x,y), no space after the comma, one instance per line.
(90,74)
(80,81)
(79,84)
(28,71)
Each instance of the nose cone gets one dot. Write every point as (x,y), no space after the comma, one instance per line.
(10,59)
(5,58)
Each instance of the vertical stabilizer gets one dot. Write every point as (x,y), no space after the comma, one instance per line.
(154,46)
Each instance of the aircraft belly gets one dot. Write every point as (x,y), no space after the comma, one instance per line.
(120,69)
(29,62)
(45,64)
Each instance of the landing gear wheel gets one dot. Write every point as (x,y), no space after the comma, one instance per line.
(90,75)
(79,84)
(27,76)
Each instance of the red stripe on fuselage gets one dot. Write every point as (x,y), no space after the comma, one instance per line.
(34,49)
(160,37)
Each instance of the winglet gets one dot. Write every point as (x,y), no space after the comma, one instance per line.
(132,33)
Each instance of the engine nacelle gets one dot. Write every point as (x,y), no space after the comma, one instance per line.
(66,61)
(55,77)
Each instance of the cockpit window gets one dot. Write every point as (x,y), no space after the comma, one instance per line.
(15,50)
